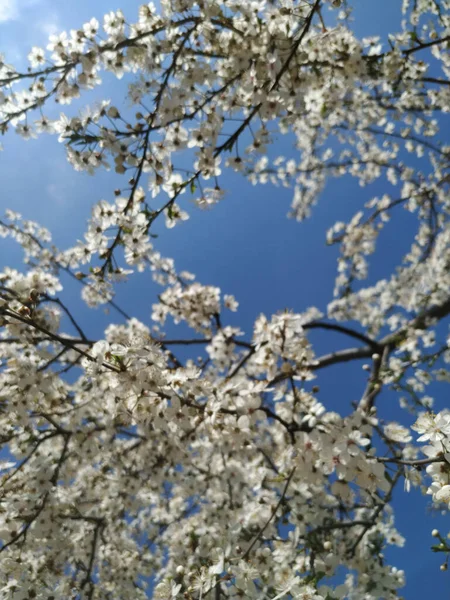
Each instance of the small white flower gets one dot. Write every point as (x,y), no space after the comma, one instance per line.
(397,433)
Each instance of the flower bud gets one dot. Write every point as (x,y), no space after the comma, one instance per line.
(34,295)
(113,113)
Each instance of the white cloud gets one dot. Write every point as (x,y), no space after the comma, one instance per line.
(50,26)
(12,10)
(38,29)
(9,10)
(56,192)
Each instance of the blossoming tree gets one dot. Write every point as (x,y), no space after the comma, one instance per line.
(130,472)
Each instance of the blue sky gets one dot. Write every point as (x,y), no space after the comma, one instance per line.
(246,245)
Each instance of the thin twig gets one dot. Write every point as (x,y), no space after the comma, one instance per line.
(264,527)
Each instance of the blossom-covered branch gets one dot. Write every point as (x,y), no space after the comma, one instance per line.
(140,464)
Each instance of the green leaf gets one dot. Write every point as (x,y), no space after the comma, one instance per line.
(442,547)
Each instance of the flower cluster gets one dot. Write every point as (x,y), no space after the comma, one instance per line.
(134,467)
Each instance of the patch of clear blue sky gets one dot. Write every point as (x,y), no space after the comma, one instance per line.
(245,245)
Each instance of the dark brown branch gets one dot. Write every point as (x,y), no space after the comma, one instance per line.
(52,360)
(371,522)
(241,363)
(67,270)
(274,512)
(342,329)
(137,177)
(69,315)
(90,568)
(184,342)
(411,463)
(57,338)
(9,476)
(229,143)
(424,45)
(374,384)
